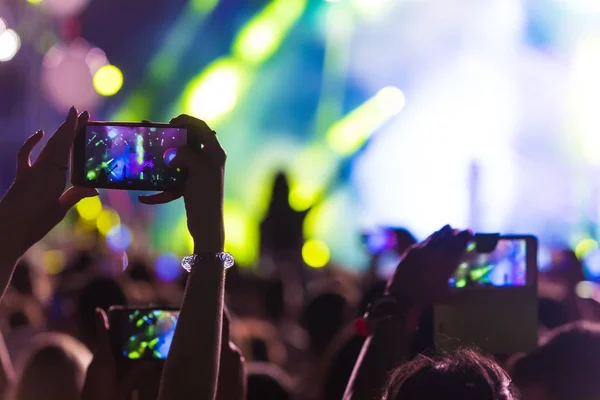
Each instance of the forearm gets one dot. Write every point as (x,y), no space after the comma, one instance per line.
(8,261)
(381,353)
(192,366)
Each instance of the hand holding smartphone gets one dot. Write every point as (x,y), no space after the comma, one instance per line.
(493,301)
(128,156)
(142,333)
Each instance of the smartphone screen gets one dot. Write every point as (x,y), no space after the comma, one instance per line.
(131,156)
(505,266)
(147,334)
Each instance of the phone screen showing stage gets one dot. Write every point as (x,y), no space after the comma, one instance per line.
(133,157)
(506,266)
(147,334)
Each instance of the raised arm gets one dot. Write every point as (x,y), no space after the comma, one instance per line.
(420,279)
(36,202)
(191,369)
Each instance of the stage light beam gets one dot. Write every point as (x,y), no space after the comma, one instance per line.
(216,91)
(262,36)
(347,135)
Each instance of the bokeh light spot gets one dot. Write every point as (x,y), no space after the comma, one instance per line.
(89,209)
(585,289)
(592,263)
(315,253)
(10,43)
(107,220)
(118,238)
(167,267)
(216,91)
(108,80)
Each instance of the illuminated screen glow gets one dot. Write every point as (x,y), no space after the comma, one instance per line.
(148,334)
(505,266)
(133,157)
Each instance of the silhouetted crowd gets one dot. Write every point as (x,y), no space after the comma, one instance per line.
(276,331)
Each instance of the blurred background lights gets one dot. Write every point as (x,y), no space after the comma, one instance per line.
(10,43)
(390,100)
(585,289)
(350,133)
(107,219)
(216,91)
(95,59)
(544,258)
(108,80)
(168,267)
(256,41)
(89,208)
(34,1)
(65,8)
(118,238)
(592,263)
(584,247)
(55,261)
(315,253)
(66,77)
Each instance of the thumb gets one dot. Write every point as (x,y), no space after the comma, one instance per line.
(102,337)
(74,195)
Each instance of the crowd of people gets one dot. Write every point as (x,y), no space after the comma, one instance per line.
(285,332)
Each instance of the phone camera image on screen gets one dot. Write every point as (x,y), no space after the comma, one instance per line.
(148,334)
(133,157)
(505,266)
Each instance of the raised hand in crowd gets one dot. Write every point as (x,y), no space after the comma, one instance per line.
(101,381)
(232,368)
(37,201)
(420,279)
(191,370)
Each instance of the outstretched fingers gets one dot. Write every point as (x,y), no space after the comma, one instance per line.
(59,146)
(208,137)
(24,157)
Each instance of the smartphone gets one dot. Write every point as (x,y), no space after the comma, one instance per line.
(142,333)
(128,156)
(493,297)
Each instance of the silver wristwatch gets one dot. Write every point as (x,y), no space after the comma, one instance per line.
(189,261)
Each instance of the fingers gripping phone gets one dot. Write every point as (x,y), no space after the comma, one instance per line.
(142,333)
(128,156)
(493,301)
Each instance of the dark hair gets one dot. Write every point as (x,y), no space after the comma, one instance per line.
(323,318)
(566,363)
(267,381)
(21,279)
(462,375)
